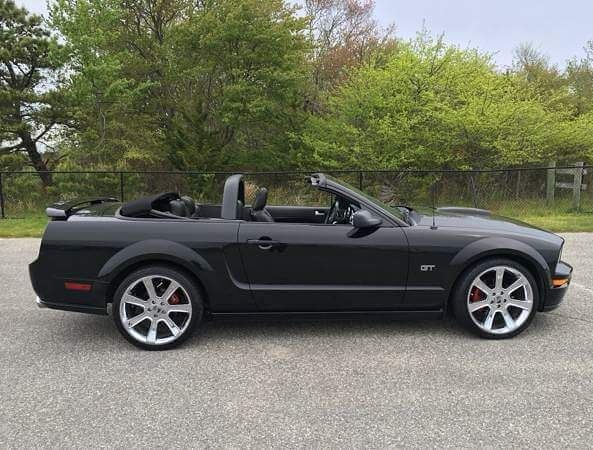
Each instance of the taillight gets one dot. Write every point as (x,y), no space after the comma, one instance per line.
(73,286)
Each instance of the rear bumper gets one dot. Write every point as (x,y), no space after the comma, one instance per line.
(52,294)
(555,295)
(40,303)
(68,307)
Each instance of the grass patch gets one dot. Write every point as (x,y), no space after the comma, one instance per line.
(27,226)
(559,217)
(561,222)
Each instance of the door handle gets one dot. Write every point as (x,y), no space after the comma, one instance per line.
(264,244)
(319,213)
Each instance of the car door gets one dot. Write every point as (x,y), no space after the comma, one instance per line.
(298,214)
(308,267)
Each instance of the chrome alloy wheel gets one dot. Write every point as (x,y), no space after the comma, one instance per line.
(155,310)
(500,300)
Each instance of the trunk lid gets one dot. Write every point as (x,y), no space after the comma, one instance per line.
(92,206)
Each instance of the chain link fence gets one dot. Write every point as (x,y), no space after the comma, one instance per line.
(513,191)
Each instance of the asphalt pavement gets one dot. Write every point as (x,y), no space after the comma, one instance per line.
(70,380)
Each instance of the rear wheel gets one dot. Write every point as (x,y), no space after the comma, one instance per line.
(496,299)
(157,308)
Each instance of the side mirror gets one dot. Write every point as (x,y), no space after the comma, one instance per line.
(363,219)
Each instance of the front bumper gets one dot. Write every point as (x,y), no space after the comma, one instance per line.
(555,295)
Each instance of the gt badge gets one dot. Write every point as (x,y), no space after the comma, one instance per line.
(428,268)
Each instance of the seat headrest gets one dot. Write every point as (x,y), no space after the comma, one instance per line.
(190,204)
(261,199)
(178,208)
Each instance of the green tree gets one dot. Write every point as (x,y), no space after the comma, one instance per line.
(244,64)
(190,85)
(30,105)
(565,96)
(433,105)
(117,82)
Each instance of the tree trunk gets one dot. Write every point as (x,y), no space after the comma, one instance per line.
(37,161)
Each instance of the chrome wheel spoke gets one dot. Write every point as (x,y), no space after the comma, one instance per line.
(182,307)
(149,285)
(133,300)
(482,286)
(489,321)
(172,326)
(523,304)
(519,283)
(476,306)
(138,319)
(499,277)
(508,320)
(151,336)
(173,286)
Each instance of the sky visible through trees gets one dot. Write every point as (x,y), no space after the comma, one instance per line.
(556,28)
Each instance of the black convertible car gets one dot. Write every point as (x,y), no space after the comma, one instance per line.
(164,263)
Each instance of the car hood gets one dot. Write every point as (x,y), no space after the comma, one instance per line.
(473,218)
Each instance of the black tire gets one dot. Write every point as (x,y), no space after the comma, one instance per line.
(189,290)
(461,295)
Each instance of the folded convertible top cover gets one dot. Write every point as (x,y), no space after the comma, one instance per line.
(144,205)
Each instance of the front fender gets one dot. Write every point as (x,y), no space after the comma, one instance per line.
(501,246)
(150,250)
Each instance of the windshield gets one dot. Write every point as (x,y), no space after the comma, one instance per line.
(394,211)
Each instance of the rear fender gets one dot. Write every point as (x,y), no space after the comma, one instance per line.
(151,250)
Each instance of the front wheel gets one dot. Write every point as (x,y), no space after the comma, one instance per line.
(496,299)
(157,308)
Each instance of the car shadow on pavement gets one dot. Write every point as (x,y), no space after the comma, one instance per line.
(302,329)
(100,330)
(339,328)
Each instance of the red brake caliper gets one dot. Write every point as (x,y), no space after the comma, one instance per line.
(174,299)
(474,295)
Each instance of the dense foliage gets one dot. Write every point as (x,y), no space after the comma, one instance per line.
(262,84)
(430,105)
(170,83)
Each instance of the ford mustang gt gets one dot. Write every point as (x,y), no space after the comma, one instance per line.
(163,264)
